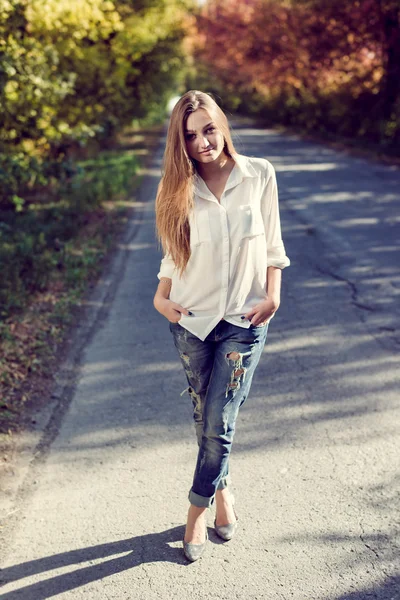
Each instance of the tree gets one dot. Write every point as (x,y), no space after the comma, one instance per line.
(73,70)
(314,62)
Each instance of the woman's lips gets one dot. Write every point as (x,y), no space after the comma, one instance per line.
(205,151)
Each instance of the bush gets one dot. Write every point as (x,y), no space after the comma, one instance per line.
(33,242)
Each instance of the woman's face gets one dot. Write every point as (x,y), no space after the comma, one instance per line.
(204,142)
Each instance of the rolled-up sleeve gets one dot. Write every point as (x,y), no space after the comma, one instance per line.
(167,267)
(276,254)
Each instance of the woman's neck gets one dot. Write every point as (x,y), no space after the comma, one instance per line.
(216,168)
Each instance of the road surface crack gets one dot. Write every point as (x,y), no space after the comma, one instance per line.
(364,307)
(352,286)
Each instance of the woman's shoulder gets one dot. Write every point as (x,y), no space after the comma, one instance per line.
(258,166)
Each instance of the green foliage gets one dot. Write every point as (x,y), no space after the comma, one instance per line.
(76,70)
(37,240)
(72,74)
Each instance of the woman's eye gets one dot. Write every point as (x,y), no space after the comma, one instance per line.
(210,130)
(190,136)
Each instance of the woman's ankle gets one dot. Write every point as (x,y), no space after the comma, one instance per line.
(196,525)
(225,513)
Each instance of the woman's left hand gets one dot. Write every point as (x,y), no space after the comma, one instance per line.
(263,311)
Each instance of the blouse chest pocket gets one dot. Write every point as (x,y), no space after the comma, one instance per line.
(200,230)
(251,221)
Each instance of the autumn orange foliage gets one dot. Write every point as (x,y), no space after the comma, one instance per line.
(322,64)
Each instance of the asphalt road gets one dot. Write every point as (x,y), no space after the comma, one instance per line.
(100,505)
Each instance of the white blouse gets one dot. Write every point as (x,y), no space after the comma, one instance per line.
(232,243)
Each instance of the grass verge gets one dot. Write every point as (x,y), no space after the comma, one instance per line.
(33,338)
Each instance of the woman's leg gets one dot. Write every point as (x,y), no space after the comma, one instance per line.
(197,358)
(237,354)
(241,349)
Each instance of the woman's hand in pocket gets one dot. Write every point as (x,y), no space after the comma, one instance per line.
(170,310)
(262,312)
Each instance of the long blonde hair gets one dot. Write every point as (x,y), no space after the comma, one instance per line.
(175,192)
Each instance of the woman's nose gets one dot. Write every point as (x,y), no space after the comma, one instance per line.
(205,143)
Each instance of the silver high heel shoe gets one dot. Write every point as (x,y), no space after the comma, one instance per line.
(194,551)
(226,532)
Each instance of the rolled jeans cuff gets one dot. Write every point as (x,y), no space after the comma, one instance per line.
(200,501)
(204,501)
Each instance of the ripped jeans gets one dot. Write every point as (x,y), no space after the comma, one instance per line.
(219,372)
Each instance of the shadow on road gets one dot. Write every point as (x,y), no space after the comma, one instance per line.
(164,547)
(388,590)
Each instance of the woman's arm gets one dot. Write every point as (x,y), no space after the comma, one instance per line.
(276,255)
(163,290)
(263,311)
(274,278)
(170,310)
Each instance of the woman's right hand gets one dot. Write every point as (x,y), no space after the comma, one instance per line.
(170,310)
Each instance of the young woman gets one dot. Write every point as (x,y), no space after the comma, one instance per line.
(219,285)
